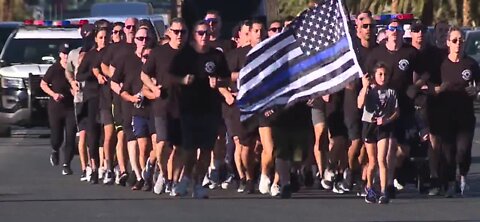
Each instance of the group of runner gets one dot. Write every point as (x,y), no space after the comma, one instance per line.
(167,107)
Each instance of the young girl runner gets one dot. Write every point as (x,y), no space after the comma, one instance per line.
(380,109)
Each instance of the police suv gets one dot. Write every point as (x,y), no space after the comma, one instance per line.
(28,53)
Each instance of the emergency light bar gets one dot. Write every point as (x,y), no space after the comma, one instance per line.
(382,19)
(47,23)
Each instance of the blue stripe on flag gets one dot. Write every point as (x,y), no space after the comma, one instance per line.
(294,70)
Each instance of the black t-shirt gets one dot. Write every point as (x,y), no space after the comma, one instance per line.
(134,87)
(236,61)
(350,101)
(92,59)
(223,45)
(458,76)
(157,66)
(335,103)
(116,50)
(403,63)
(127,68)
(429,61)
(198,97)
(56,80)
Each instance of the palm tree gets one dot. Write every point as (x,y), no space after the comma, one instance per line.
(394,6)
(467,12)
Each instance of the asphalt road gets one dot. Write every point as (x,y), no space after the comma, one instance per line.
(32,190)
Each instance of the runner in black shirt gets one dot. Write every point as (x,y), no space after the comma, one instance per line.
(213,19)
(460,76)
(165,105)
(366,40)
(200,104)
(127,67)
(429,60)
(403,59)
(60,110)
(93,80)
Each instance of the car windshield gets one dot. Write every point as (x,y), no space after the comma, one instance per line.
(37,51)
(472,46)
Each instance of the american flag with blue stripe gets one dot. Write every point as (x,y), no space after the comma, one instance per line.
(312,57)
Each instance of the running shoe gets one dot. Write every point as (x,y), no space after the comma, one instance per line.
(138,185)
(54,158)
(159,186)
(83,176)
(66,170)
(275,190)
(264,184)
(371,196)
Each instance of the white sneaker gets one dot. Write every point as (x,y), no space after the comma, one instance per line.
(182,187)
(264,184)
(337,189)
(117,175)
(159,186)
(88,169)
(397,185)
(206,180)
(226,184)
(101,173)
(199,192)
(173,192)
(275,190)
(463,186)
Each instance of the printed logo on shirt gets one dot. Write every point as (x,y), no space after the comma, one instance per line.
(210,67)
(219,49)
(403,64)
(467,74)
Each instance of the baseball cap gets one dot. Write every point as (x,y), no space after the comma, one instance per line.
(87,30)
(418,26)
(64,48)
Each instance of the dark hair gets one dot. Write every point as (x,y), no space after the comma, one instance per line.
(236,30)
(368,12)
(102,23)
(454,29)
(256,21)
(275,21)
(213,12)
(121,24)
(198,23)
(395,20)
(381,65)
(101,29)
(177,20)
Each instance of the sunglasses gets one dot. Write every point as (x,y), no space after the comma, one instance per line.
(129,26)
(417,30)
(211,20)
(455,41)
(142,38)
(394,28)
(203,32)
(275,29)
(367,26)
(115,32)
(178,31)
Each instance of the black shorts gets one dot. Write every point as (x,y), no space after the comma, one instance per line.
(292,145)
(81,116)
(142,127)
(127,125)
(199,131)
(263,121)
(106,117)
(174,131)
(336,125)
(372,133)
(354,127)
(405,129)
(235,128)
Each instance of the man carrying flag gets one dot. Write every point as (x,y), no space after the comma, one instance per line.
(312,57)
